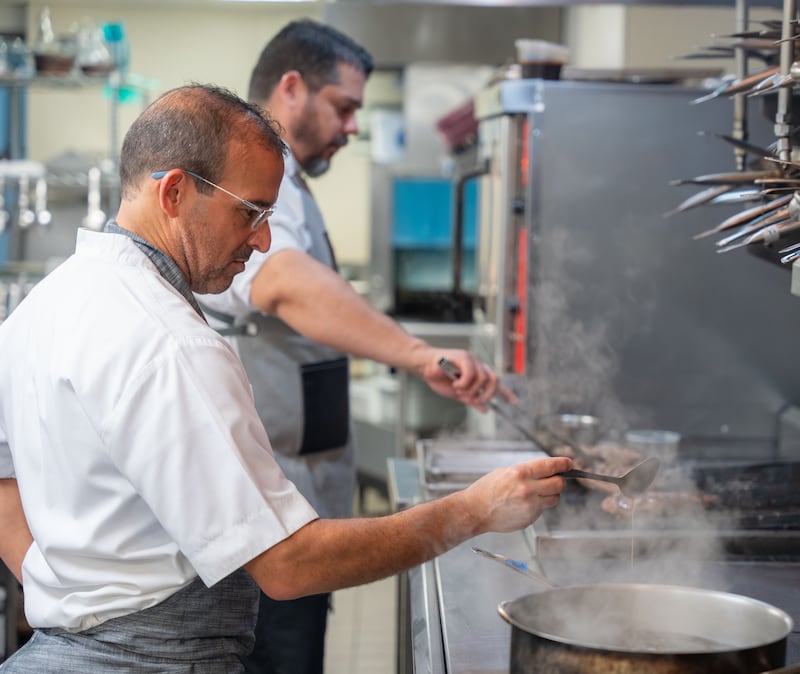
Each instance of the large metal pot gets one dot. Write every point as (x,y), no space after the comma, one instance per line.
(637,628)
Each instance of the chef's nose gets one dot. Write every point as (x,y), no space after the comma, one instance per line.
(261,238)
(351,125)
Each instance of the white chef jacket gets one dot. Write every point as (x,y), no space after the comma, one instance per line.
(140,458)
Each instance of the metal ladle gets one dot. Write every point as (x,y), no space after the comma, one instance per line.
(95,217)
(43,216)
(26,215)
(452,371)
(634,482)
(4,215)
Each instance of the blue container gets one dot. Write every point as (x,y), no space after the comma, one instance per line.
(422,213)
(422,234)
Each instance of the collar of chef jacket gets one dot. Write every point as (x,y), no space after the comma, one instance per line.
(163,262)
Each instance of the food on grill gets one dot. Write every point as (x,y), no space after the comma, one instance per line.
(667,503)
(604,455)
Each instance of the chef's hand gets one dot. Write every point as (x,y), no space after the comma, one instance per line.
(509,499)
(475,385)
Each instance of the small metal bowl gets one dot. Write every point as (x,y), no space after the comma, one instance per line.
(579,429)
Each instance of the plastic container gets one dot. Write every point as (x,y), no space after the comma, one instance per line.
(541,59)
(459,128)
(579,429)
(118,47)
(662,444)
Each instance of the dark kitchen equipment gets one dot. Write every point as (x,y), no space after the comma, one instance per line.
(580,294)
(632,483)
(745,512)
(635,628)
(773,485)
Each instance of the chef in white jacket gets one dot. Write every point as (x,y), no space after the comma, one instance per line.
(140,503)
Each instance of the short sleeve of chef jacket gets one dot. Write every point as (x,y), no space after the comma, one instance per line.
(188,438)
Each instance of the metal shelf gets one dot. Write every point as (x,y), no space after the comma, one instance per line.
(77,80)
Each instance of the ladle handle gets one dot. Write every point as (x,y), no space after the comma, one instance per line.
(503,412)
(576,472)
(452,371)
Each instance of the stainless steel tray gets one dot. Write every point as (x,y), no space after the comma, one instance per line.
(451,464)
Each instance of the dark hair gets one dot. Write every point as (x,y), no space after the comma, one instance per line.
(313,49)
(191,128)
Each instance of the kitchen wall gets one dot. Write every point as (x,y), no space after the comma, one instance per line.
(177,42)
(644,35)
(177,45)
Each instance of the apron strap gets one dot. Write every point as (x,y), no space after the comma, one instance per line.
(246,329)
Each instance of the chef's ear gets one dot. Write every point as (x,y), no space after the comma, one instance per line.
(293,87)
(171,190)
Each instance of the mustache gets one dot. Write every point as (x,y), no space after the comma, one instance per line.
(340,141)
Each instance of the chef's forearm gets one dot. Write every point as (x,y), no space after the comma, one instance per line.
(325,308)
(327,555)
(16,537)
(346,322)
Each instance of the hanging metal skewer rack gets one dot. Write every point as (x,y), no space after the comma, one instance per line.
(768,177)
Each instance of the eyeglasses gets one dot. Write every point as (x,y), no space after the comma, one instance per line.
(262,214)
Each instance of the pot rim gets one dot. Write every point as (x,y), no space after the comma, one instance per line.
(503,608)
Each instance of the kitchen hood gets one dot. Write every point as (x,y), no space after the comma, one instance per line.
(399,34)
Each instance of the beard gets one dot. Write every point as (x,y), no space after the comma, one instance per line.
(209,273)
(307,134)
(316,166)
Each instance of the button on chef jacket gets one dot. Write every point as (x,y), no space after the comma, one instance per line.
(132,433)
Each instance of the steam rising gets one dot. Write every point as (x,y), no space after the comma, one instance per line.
(573,360)
(667,535)
(590,537)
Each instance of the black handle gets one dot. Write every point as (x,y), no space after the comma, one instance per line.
(576,472)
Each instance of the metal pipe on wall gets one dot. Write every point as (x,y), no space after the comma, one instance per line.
(783,117)
(740,100)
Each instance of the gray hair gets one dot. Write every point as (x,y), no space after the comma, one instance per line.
(191,128)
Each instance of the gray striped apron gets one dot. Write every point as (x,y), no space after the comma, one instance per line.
(198,630)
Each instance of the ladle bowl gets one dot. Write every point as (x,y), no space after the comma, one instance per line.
(633,483)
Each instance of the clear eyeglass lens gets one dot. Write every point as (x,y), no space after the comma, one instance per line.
(261,218)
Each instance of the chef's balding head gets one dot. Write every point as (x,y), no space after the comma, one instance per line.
(191,128)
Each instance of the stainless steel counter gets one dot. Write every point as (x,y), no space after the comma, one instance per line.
(448,607)
(449,620)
